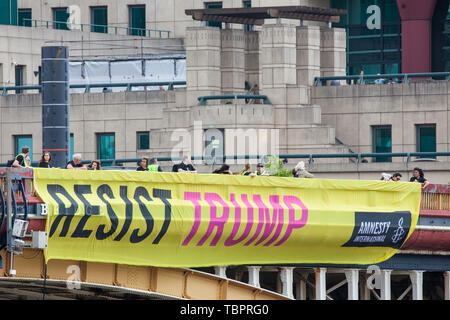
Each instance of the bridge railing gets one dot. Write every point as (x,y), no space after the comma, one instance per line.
(360,157)
(436,197)
(397,77)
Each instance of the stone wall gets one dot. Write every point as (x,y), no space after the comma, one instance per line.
(354,109)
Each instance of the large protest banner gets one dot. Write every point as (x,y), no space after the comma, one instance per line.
(194,220)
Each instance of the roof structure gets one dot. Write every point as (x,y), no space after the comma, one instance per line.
(257,15)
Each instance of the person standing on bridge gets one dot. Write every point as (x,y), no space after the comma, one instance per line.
(76,163)
(20,159)
(45,160)
(186,165)
(143,165)
(154,166)
(418,176)
(94,165)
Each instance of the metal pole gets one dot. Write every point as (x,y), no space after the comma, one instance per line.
(8,209)
(321,284)
(447,285)
(253,276)
(287,281)
(55,104)
(386,284)
(417,284)
(352,280)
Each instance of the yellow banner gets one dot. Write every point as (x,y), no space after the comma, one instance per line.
(194,220)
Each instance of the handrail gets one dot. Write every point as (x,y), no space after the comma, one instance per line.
(88,86)
(141,32)
(202,100)
(404,77)
(309,156)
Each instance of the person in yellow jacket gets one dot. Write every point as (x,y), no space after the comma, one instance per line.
(154,166)
(20,161)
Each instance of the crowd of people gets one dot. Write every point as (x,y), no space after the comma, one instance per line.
(22,160)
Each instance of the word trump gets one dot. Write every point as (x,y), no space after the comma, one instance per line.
(133,215)
(271,216)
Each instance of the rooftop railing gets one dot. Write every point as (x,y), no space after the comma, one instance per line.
(395,77)
(203,99)
(89,86)
(99,28)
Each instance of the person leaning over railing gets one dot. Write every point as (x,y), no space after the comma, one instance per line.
(154,166)
(95,165)
(75,163)
(20,159)
(45,160)
(143,166)
(186,165)
(418,176)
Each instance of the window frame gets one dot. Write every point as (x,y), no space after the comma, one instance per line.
(96,27)
(138,141)
(374,128)
(99,136)
(136,31)
(16,144)
(418,138)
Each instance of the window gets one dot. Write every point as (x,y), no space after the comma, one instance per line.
(71,147)
(143,140)
(19,74)
(23,141)
(99,18)
(213,5)
(24,17)
(382,142)
(137,20)
(247,4)
(60,16)
(426,138)
(106,146)
(8,12)
(375,49)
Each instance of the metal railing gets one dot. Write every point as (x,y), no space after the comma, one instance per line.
(88,86)
(398,77)
(309,156)
(203,99)
(117,30)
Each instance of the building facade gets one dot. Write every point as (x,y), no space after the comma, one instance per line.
(229,60)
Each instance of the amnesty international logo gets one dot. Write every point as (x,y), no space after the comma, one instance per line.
(380,229)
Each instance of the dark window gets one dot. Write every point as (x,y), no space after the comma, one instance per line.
(426,138)
(382,142)
(22,141)
(60,17)
(137,20)
(24,17)
(213,5)
(106,146)
(99,18)
(372,50)
(247,4)
(8,12)
(71,147)
(19,74)
(143,140)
